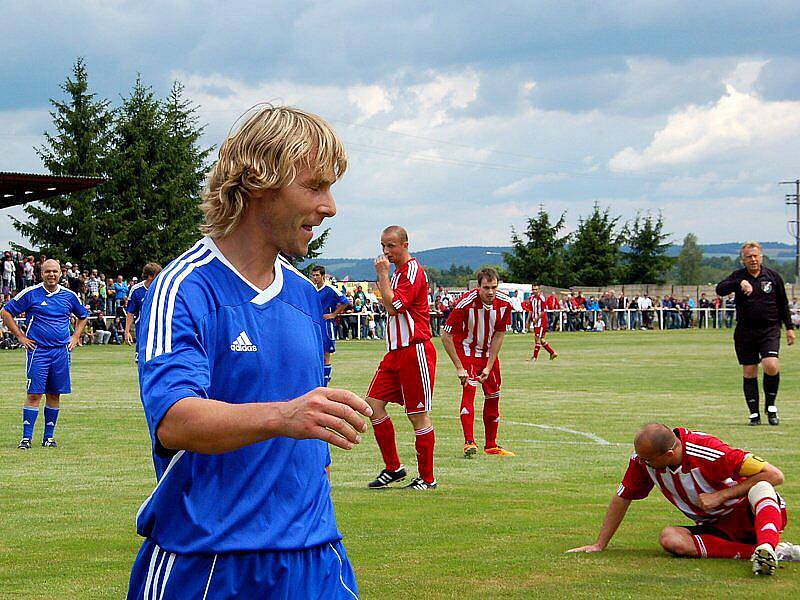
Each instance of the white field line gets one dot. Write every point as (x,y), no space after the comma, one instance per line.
(595,438)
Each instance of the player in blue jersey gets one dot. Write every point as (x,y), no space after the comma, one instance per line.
(231,374)
(48,343)
(333,304)
(136,296)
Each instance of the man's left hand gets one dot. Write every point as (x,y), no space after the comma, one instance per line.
(484,375)
(73,341)
(790,337)
(709,501)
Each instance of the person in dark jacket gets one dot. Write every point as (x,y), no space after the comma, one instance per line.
(761,308)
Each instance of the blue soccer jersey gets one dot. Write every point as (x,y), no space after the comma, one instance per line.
(134,306)
(207,332)
(330,298)
(47,313)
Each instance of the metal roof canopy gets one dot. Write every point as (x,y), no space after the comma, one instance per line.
(19,188)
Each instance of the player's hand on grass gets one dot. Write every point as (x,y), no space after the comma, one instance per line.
(327,414)
(26,341)
(589,548)
(382,265)
(746,287)
(463,376)
(790,337)
(709,501)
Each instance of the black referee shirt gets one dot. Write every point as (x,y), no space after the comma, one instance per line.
(766,306)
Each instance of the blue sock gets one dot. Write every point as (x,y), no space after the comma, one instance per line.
(328,370)
(50,419)
(29,415)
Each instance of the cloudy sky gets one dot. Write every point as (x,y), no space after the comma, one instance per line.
(461,118)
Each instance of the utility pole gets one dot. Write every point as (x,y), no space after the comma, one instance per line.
(794,199)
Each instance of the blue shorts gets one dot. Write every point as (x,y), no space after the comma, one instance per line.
(47,370)
(319,572)
(328,337)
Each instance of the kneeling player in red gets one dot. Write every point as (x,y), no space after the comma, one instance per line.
(727,492)
(472,337)
(406,374)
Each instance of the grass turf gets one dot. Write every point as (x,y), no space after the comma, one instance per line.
(496,527)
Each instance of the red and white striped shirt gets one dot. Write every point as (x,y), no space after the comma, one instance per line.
(473,324)
(536,306)
(708,465)
(412,323)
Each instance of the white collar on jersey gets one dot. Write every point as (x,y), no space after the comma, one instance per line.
(54,292)
(262,296)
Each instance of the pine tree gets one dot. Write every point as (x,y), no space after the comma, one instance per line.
(314,251)
(540,256)
(63,226)
(688,263)
(645,258)
(594,254)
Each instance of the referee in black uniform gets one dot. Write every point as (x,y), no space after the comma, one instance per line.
(761,307)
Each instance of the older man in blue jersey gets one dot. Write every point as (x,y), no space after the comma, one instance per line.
(231,375)
(333,304)
(48,343)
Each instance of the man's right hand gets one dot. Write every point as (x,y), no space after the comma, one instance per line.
(589,548)
(128,338)
(327,414)
(462,375)
(747,289)
(26,341)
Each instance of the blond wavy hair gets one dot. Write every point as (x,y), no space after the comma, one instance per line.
(265,153)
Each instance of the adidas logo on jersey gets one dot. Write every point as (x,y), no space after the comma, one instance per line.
(243,344)
(44,303)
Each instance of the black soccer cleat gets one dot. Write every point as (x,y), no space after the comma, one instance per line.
(24,444)
(755,419)
(49,443)
(386,477)
(765,560)
(772,417)
(418,483)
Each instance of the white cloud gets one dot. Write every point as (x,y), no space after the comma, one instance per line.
(738,120)
(370,100)
(528,183)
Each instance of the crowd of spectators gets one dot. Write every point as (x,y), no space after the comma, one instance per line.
(105,297)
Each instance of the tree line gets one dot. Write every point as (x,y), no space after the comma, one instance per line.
(149,151)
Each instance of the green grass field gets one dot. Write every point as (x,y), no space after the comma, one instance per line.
(495,528)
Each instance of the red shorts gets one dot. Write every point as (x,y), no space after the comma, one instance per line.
(405,376)
(737,526)
(474,366)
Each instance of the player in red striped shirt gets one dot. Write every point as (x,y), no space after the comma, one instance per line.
(535,306)
(727,492)
(472,337)
(406,374)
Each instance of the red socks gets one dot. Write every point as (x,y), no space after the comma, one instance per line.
(424,443)
(548,348)
(710,546)
(536,349)
(468,411)
(384,435)
(768,522)
(491,420)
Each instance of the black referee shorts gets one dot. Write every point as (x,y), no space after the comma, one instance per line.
(755,343)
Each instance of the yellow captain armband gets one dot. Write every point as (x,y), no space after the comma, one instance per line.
(752,464)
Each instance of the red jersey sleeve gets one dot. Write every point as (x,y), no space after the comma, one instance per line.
(455,321)
(403,294)
(636,483)
(527,306)
(717,460)
(504,323)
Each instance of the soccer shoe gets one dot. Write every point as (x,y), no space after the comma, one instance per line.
(764,560)
(385,477)
(755,419)
(788,552)
(554,356)
(418,483)
(470,449)
(499,451)
(24,444)
(49,443)
(772,418)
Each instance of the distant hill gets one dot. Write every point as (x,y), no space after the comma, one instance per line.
(476,257)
